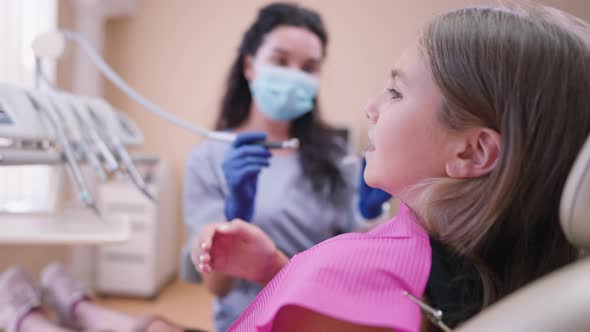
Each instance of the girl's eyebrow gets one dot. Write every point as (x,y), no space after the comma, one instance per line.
(397,74)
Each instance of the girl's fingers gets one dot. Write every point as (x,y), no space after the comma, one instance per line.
(204,258)
(205,246)
(204,268)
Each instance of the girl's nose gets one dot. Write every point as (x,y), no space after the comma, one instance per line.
(371,111)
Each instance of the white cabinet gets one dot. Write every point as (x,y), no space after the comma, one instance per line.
(140,266)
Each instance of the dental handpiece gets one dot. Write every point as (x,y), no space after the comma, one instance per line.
(87,147)
(123,154)
(100,137)
(109,160)
(292,143)
(70,157)
(131,169)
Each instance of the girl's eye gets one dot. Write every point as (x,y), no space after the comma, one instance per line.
(394,93)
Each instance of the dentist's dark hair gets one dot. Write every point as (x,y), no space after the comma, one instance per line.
(319,149)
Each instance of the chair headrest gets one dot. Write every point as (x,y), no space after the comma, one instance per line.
(575,201)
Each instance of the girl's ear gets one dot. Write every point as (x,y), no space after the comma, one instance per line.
(476,154)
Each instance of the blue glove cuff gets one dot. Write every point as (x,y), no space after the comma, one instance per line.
(370,212)
(234,210)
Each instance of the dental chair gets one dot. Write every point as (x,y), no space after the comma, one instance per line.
(560,301)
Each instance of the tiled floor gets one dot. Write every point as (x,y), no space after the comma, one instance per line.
(189,305)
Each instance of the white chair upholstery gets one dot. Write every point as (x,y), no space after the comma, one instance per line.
(575,201)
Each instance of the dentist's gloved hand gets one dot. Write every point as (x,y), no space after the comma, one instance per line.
(241,166)
(370,199)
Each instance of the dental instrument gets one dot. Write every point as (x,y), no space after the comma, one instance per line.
(48,111)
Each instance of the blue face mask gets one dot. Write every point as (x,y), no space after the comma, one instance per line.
(283,94)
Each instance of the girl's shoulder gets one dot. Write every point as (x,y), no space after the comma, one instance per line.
(360,278)
(403,226)
(400,248)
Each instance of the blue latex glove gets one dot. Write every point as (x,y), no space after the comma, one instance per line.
(370,199)
(241,166)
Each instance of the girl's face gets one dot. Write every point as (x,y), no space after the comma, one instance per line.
(407,141)
(289,47)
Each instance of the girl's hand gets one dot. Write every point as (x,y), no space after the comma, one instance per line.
(238,249)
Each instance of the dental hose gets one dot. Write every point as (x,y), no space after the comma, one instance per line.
(133,94)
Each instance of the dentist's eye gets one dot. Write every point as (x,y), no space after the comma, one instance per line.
(394,93)
(279,61)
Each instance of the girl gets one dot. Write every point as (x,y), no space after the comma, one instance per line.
(475,133)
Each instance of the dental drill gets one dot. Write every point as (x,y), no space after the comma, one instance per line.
(88,147)
(123,154)
(96,136)
(48,112)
